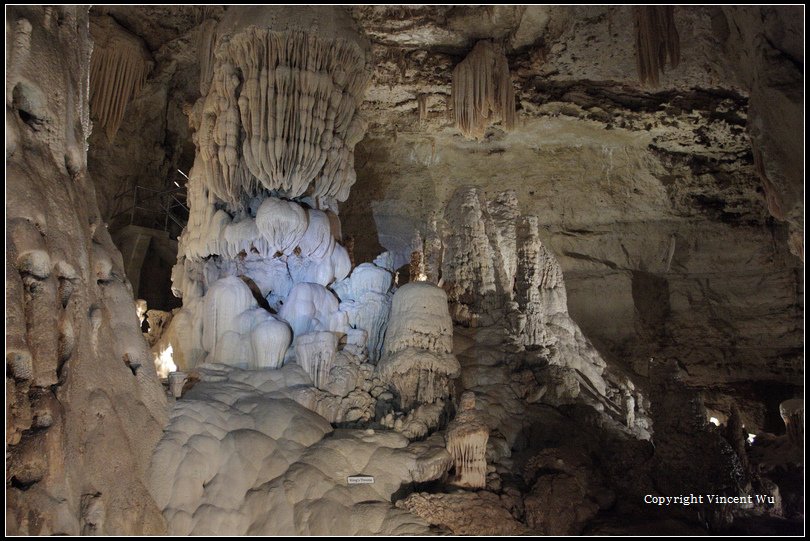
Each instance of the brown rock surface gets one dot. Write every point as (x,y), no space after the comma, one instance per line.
(85,406)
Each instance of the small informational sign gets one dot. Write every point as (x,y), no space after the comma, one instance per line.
(361,480)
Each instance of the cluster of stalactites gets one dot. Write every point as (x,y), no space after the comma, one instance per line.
(482,91)
(282,114)
(656,39)
(119,66)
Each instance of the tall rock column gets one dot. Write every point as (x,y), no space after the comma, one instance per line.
(84,406)
(276,128)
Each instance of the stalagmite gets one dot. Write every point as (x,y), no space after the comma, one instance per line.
(315,353)
(656,40)
(164,363)
(419,319)
(482,91)
(792,412)
(120,65)
(467,437)
(539,288)
(308,308)
(317,241)
(226,300)
(270,340)
(417,354)
(468,263)
(341,262)
(176,382)
(365,298)
(416,266)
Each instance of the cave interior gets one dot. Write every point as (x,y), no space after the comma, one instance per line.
(404,270)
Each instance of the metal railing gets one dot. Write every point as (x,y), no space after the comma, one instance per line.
(169,202)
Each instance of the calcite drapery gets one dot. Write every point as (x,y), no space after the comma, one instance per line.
(482,91)
(656,40)
(118,71)
(467,437)
(315,352)
(295,95)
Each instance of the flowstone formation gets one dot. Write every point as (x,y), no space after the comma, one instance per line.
(242,457)
(278,337)
(275,132)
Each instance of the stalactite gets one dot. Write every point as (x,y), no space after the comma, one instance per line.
(206,39)
(421,107)
(119,66)
(482,91)
(296,97)
(656,39)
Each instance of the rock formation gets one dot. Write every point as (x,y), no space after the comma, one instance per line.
(792,412)
(418,359)
(85,408)
(119,66)
(482,91)
(250,460)
(473,513)
(657,41)
(467,437)
(461,270)
(257,242)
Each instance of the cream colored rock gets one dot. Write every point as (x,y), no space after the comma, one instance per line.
(308,308)
(467,437)
(315,352)
(240,458)
(282,224)
(365,298)
(226,299)
(417,353)
(270,339)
